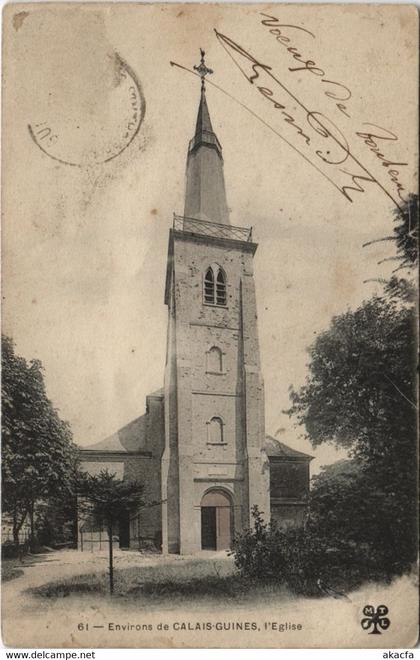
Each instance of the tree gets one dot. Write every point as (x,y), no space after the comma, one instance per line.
(38,456)
(406,232)
(351,510)
(56,522)
(361,394)
(106,499)
(361,379)
(406,227)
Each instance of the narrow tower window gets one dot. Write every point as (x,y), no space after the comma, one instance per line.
(215,431)
(209,286)
(215,286)
(221,288)
(215,360)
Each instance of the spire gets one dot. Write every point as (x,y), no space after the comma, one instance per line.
(205,197)
(203,117)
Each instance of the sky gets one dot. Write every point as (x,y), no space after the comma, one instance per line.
(85,245)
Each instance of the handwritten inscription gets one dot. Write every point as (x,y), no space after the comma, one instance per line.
(315,136)
(335,151)
(371,140)
(338,92)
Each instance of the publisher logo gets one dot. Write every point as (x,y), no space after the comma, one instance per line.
(375,619)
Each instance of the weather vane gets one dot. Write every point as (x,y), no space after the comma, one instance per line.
(202,70)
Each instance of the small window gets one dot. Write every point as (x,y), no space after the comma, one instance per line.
(215,360)
(215,286)
(220,289)
(209,287)
(215,431)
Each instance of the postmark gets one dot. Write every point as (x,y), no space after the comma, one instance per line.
(70,136)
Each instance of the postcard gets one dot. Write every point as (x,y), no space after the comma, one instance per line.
(210,226)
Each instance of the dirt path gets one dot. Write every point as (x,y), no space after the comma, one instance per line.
(57,565)
(28,619)
(97,621)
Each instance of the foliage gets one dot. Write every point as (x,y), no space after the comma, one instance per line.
(364,520)
(56,522)
(306,557)
(38,456)
(106,499)
(257,552)
(294,556)
(361,394)
(406,228)
(406,232)
(401,291)
(362,381)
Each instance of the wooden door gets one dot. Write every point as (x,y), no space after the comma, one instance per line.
(216,520)
(223,525)
(208,528)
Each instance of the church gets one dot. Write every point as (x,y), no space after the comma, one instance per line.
(200,448)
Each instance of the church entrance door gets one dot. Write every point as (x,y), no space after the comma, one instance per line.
(216,521)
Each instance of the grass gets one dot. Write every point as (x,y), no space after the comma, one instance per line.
(10,569)
(192,581)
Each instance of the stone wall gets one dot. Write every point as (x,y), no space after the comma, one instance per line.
(195,394)
(143,465)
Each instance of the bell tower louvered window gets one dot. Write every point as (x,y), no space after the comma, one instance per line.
(220,288)
(215,286)
(209,287)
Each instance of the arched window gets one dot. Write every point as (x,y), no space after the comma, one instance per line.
(220,288)
(209,286)
(215,431)
(215,286)
(215,360)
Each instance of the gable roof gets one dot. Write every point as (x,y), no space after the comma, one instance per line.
(131,438)
(157,394)
(276,449)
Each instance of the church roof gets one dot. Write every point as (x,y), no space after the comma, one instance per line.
(203,117)
(204,135)
(276,449)
(205,194)
(130,438)
(158,394)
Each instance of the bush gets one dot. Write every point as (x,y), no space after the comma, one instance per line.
(313,560)
(258,553)
(304,558)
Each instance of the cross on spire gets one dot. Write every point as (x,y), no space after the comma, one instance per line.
(202,70)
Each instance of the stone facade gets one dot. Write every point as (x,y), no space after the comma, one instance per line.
(201,448)
(196,394)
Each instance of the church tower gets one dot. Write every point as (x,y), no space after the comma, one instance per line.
(214,468)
